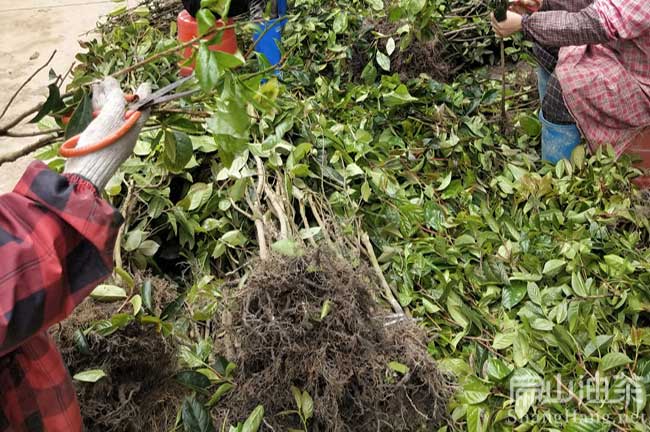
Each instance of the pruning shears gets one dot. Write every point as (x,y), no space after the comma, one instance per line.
(133,114)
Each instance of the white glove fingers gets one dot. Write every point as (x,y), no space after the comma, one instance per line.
(102,91)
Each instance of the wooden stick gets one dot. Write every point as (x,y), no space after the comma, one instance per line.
(43,142)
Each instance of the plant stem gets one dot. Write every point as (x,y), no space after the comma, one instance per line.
(388,292)
(43,142)
(504,118)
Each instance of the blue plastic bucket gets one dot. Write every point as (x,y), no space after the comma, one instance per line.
(558,141)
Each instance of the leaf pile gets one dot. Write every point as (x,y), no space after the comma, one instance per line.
(518,270)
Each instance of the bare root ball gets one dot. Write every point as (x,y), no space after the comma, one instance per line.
(279,340)
(420,57)
(138,392)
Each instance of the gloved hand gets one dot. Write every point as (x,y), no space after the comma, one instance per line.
(99,167)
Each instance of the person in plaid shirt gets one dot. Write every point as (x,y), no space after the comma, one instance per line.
(595,64)
(56,244)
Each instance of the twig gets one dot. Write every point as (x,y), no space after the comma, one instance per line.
(43,142)
(32,134)
(388,292)
(305,221)
(117,251)
(31,77)
(504,119)
(177,48)
(276,205)
(257,211)
(24,115)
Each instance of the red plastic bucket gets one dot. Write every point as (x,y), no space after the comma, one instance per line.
(188,29)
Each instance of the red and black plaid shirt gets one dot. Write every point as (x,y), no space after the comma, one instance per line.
(56,245)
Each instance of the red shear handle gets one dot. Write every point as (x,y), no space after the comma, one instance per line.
(69,150)
(127,97)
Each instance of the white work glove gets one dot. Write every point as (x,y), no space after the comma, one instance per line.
(99,167)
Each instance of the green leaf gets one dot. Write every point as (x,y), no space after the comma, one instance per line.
(178,150)
(195,416)
(444,183)
(390,46)
(340,22)
(126,277)
(206,21)
(172,308)
(325,309)
(287,248)
(383,61)
(369,73)
(253,422)
(553,267)
(614,360)
(220,393)
(108,293)
(474,419)
(221,7)
(148,248)
(207,67)
(146,293)
(578,285)
(136,302)
(497,369)
(525,385)
(227,61)
(80,342)
(377,5)
(400,96)
(474,391)
(193,380)
(234,238)
(90,376)
(81,117)
(307,406)
(600,342)
(53,103)
(585,424)
(530,125)
(542,324)
(513,294)
(399,367)
(297,396)
(503,340)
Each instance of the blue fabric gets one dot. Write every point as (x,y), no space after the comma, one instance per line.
(558,141)
(542,81)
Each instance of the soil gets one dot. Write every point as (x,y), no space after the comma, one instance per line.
(275,334)
(138,393)
(420,57)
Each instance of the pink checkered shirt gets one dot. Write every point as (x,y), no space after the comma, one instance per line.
(607,87)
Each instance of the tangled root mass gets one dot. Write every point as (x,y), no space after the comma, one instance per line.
(278,340)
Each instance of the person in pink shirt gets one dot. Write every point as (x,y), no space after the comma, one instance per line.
(594,74)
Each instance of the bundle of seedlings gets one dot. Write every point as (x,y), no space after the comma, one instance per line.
(318,352)
(407,55)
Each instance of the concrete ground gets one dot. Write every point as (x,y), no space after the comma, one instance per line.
(30,31)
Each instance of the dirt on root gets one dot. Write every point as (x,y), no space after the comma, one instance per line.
(138,392)
(275,335)
(420,57)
